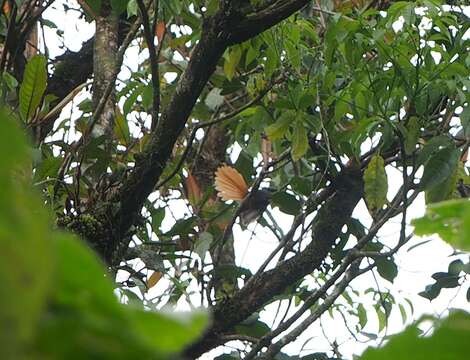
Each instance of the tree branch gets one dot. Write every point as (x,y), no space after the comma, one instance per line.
(274,348)
(255,23)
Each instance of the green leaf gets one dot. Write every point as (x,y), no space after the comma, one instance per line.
(431,292)
(402,313)
(455,267)
(175,330)
(387,268)
(28,255)
(375,184)
(431,147)
(449,220)
(287,203)
(10,81)
(381,317)
(301,185)
(33,86)
(362,314)
(412,134)
(214,99)
(121,128)
(279,128)
(299,141)
(212,7)
(119,6)
(203,244)
(448,342)
(439,167)
(132,8)
(253,328)
(232,60)
(97,326)
(157,217)
(49,167)
(444,190)
(182,227)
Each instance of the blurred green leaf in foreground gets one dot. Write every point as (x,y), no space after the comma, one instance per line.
(56,301)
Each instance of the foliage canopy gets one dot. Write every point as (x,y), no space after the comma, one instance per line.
(333,104)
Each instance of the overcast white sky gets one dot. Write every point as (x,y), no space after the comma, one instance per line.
(415,266)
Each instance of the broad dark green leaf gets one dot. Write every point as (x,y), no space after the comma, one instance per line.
(439,167)
(444,190)
(431,147)
(184,226)
(387,268)
(253,328)
(157,217)
(287,203)
(33,86)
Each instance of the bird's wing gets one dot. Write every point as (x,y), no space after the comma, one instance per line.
(230,184)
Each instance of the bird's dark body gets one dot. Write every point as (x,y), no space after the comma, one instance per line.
(254,205)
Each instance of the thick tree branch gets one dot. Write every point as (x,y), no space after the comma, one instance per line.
(255,23)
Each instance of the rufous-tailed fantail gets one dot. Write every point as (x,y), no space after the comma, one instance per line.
(231,185)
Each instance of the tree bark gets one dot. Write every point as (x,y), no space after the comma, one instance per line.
(104,65)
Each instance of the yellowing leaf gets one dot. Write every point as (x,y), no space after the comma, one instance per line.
(231,61)
(375,184)
(299,141)
(154,279)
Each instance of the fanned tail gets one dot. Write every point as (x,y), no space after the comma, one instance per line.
(230,184)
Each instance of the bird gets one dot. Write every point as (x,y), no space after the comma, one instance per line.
(231,185)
